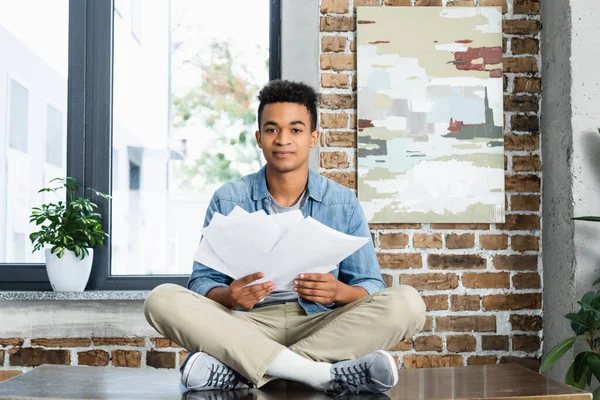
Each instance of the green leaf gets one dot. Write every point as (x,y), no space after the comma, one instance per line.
(569,380)
(587,218)
(596,394)
(581,366)
(557,352)
(593,361)
(588,298)
(579,322)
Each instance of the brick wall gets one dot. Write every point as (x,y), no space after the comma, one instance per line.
(18,355)
(481,282)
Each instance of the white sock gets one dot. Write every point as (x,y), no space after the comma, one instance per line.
(294,367)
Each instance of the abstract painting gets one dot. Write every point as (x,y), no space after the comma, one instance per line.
(430,114)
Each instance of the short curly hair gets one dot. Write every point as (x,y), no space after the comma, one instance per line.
(284,91)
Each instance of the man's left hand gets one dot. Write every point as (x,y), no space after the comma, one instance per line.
(320,288)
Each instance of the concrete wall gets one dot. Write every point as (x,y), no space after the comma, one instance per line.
(571,154)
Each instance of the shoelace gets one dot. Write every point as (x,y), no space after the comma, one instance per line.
(222,377)
(350,380)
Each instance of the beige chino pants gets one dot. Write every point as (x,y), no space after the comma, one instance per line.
(248,341)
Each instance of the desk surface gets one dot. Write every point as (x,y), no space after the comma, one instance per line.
(503,381)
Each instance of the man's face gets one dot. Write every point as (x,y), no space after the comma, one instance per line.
(285,136)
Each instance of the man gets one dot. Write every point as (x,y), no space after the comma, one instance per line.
(327,332)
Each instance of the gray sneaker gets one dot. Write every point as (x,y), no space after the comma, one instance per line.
(375,373)
(204,372)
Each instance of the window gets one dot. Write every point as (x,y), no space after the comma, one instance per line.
(18,117)
(141,124)
(33,74)
(54,137)
(136,17)
(193,133)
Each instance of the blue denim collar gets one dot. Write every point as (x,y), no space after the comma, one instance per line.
(259,186)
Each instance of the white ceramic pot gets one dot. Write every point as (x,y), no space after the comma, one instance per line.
(68,273)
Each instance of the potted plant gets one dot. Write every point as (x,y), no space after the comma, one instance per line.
(68,231)
(585,324)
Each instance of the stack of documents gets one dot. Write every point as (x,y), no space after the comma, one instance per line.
(281,246)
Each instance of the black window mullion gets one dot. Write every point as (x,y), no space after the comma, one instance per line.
(275,40)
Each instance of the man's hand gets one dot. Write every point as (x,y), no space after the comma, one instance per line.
(247,296)
(320,288)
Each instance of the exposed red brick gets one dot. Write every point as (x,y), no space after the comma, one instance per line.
(480,323)
(470,227)
(520,222)
(115,341)
(461,343)
(404,345)
(525,242)
(526,202)
(429,343)
(430,281)
(338,24)
(493,242)
(338,62)
(432,361)
(337,101)
(482,360)
(465,302)
(126,358)
(522,183)
(334,159)
(520,26)
(399,261)
(347,179)
(338,81)
(460,241)
(393,240)
(62,342)
(427,241)
(334,7)
(160,359)
(436,302)
(526,6)
(456,261)
(340,139)
(334,120)
(33,357)
(513,301)
(521,322)
(530,280)
(500,280)
(93,358)
(11,342)
(494,342)
(516,262)
(529,343)
(163,342)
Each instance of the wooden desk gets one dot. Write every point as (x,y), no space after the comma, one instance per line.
(504,381)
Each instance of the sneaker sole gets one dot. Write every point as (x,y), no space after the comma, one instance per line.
(393,365)
(188,367)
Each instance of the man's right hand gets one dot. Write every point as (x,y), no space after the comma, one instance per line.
(247,296)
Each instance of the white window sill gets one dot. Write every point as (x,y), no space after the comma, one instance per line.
(87,295)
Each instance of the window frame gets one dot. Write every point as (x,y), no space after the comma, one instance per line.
(89,138)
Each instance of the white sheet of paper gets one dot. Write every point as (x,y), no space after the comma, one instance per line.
(282,246)
(243,242)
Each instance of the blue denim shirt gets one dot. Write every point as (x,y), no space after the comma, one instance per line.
(328,202)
